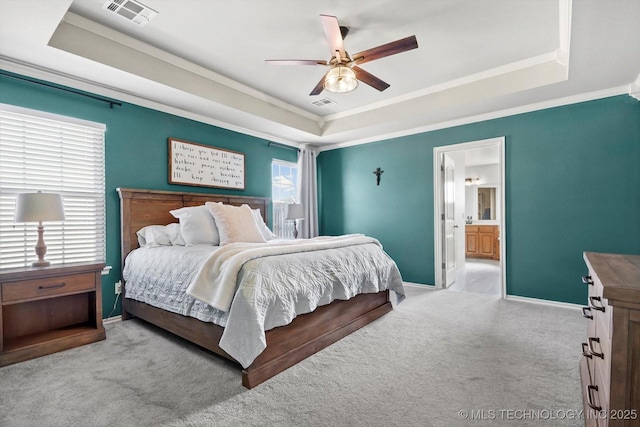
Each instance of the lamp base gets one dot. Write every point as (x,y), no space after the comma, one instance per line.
(41,248)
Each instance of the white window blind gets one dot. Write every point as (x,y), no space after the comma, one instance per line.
(53,154)
(284,179)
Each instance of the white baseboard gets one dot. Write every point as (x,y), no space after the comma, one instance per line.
(515,298)
(544,302)
(113,319)
(418,285)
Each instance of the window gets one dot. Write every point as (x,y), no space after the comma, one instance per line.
(284,190)
(57,154)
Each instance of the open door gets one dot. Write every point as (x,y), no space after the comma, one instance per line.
(448,222)
(444,227)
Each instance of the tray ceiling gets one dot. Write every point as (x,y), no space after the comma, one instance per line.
(206,59)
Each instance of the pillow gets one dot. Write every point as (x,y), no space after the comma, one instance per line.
(175,236)
(197,226)
(264,230)
(152,236)
(235,223)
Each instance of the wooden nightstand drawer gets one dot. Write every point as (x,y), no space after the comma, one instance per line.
(47,287)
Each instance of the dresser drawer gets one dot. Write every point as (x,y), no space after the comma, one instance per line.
(46,287)
(594,406)
(598,305)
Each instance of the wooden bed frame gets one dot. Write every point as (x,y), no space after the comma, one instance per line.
(286,345)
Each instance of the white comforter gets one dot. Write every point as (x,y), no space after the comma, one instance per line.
(264,286)
(216,281)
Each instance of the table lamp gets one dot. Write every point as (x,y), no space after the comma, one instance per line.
(295,211)
(39,207)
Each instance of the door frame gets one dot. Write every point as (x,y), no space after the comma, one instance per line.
(438,206)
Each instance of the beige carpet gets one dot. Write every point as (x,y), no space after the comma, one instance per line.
(438,354)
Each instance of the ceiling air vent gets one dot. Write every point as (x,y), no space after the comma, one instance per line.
(324,102)
(130,10)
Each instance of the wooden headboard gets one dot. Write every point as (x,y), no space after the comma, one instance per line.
(139,208)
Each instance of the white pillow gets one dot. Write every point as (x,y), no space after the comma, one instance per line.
(152,236)
(264,230)
(235,223)
(197,226)
(175,235)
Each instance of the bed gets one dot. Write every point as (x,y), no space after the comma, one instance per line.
(286,345)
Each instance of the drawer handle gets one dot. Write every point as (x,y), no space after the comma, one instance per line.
(59,285)
(593,352)
(592,405)
(587,280)
(585,351)
(600,306)
(584,313)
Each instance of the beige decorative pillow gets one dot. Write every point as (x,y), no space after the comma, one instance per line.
(235,223)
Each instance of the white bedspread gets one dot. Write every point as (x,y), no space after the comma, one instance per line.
(216,281)
(273,290)
(159,277)
(274,285)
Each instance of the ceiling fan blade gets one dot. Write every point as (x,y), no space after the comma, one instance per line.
(334,36)
(296,62)
(319,87)
(386,50)
(370,79)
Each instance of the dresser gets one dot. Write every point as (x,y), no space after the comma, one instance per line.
(49,309)
(610,363)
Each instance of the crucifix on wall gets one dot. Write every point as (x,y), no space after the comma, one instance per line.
(377,173)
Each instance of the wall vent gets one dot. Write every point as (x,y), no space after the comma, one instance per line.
(324,102)
(131,10)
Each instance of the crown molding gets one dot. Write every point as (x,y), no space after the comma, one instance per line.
(41,73)
(575,99)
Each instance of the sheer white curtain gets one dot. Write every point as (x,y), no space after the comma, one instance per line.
(307,187)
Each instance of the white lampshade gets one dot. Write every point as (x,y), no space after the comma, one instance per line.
(295,211)
(35,207)
(340,79)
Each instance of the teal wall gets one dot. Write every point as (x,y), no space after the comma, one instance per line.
(572,185)
(572,182)
(136,152)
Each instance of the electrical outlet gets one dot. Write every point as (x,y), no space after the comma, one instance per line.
(118,287)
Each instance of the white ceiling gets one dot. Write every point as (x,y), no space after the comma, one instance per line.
(482,156)
(206,59)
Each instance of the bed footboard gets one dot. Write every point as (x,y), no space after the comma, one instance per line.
(309,333)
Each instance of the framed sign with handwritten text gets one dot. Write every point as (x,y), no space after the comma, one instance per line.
(205,166)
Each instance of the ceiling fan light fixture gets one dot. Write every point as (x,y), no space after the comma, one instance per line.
(340,79)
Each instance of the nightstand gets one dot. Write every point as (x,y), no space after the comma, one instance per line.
(49,309)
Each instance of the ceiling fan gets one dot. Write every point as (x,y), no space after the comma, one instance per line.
(345,73)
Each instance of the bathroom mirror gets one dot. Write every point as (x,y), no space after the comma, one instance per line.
(486,203)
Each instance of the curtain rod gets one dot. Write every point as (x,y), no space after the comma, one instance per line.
(282,145)
(77,92)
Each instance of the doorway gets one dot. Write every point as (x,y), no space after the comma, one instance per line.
(469,216)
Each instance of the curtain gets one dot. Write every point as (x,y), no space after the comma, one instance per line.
(308,192)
